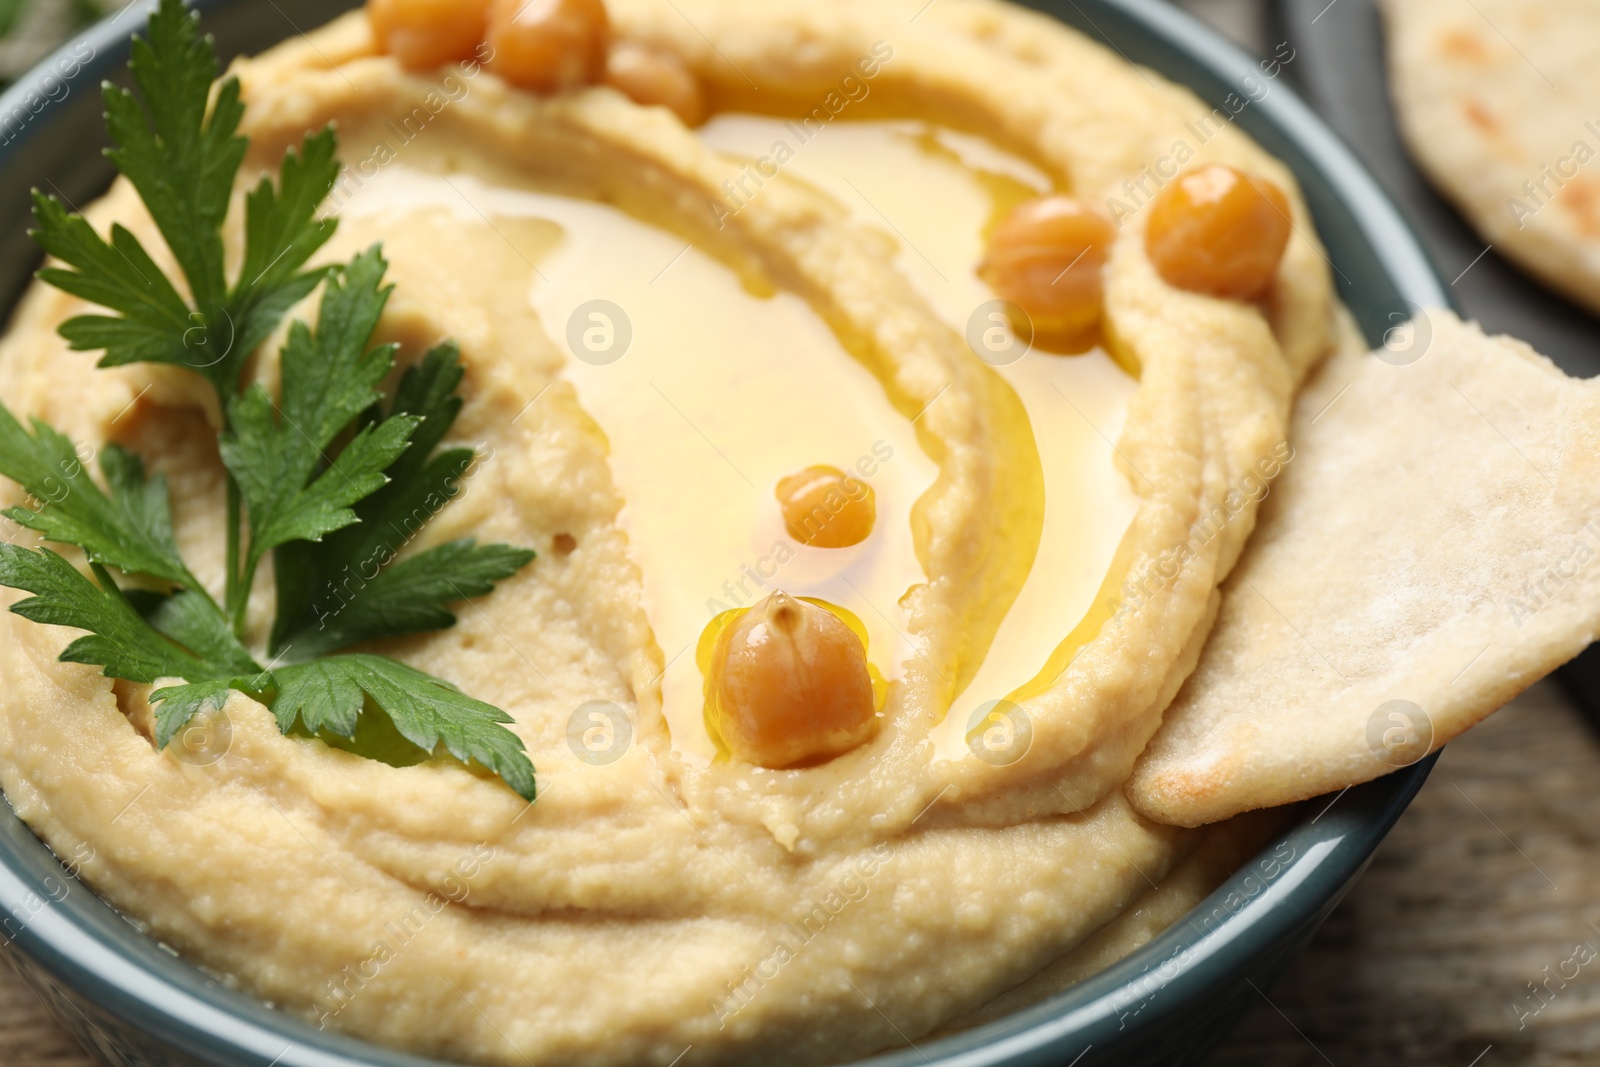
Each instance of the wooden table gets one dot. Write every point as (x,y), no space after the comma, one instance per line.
(1491,876)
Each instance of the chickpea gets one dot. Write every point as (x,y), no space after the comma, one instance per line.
(826,508)
(424,34)
(548,45)
(1219,231)
(1046,257)
(788,683)
(653,78)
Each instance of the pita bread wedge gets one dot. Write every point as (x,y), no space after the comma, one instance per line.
(1499,102)
(1432,548)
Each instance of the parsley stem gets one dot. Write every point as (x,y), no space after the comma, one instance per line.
(191,583)
(247,578)
(231,594)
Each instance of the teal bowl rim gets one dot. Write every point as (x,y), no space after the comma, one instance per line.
(1265,910)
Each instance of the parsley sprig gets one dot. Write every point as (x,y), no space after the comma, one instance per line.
(326,477)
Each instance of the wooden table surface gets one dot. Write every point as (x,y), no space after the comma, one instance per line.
(1488,888)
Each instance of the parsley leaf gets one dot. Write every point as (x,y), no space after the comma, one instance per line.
(155,322)
(345,590)
(409,596)
(329,694)
(277,453)
(130,528)
(194,622)
(181,161)
(184,637)
(175,705)
(120,640)
(282,232)
(323,460)
(279,511)
(182,154)
(428,391)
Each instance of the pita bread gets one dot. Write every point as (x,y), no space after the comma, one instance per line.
(1431,550)
(1499,102)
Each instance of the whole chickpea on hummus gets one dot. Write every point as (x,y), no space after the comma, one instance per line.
(884,429)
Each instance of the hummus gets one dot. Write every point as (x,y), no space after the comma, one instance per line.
(773,308)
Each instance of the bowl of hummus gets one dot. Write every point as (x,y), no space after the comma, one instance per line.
(845,419)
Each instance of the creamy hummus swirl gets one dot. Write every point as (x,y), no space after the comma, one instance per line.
(651,904)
